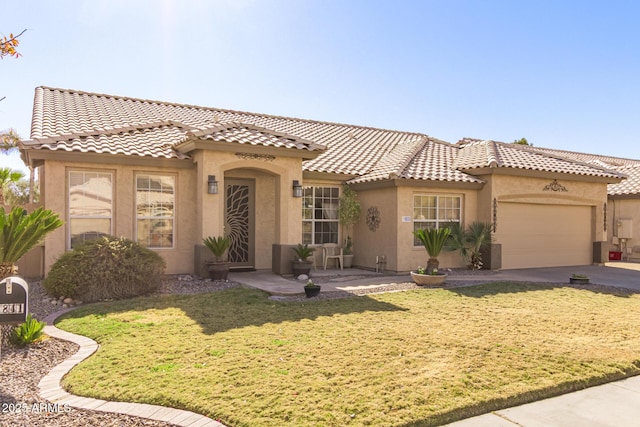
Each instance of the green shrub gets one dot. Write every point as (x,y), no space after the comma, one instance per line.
(105,268)
(28,332)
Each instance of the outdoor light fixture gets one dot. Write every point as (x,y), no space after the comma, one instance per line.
(212,185)
(297,188)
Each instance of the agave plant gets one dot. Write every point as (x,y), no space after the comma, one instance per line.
(19,232)
(433,240)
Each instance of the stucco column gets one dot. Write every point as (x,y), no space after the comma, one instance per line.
(290,228)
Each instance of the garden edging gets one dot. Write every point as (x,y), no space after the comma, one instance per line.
(51,390)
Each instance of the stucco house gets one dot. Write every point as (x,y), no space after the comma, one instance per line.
(168,175)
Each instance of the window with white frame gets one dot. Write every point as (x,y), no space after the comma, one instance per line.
(90,206)
(320,215)
(155,210)
(435,211)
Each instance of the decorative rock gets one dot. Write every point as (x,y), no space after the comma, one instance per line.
(61,298)
(68,301)
(303,277)
(54,302)
(65,305)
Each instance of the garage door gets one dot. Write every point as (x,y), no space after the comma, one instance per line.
(544,235)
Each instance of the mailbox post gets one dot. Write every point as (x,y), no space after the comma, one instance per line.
(14,302)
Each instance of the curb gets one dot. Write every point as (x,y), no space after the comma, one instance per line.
(51,390)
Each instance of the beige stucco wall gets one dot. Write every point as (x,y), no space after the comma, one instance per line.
(619,209)
(284,170)
(394,236)
(179,259)
(409,256)
(278,217)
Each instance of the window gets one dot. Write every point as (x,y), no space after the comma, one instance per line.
(155,197)
(90,206)
(320,215)
(431,211)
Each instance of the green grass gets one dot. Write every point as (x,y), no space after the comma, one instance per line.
(413,358)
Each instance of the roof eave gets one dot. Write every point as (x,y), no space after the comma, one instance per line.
(192,144)
(38,157)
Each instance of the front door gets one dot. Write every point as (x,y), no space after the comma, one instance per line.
(239,221)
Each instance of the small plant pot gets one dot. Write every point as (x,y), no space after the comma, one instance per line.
(428,279)
(312,292)
(348,261)
(579,280)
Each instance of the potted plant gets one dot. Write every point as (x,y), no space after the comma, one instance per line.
(348,214)
(433,240)
(300,265)
(347,254)
(423,277)
(219,267)
(579,279)
(311,289)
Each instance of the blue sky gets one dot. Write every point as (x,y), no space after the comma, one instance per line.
(563,74)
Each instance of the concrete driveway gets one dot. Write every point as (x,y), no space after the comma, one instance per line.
(621,274)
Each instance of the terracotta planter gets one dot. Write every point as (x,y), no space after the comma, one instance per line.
(428,279)
(312,292)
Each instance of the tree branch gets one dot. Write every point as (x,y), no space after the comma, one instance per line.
(12,39)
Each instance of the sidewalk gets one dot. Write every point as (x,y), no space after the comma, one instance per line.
(609,405)
(620,274)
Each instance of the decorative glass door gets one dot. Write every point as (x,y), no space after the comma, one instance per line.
(239,221)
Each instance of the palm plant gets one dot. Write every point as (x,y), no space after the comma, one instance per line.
(19,232)
(302,251)
(470,242)
(217,245)
(8,176)
(433,240)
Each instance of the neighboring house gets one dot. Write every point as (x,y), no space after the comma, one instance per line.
(147,170)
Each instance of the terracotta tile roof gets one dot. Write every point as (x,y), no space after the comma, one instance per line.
(596,159)
(351,150)
(433,161)
(88,122)
(242,133)
(475,154)
(630,185)
(153,140)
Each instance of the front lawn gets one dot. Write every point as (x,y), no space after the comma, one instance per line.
(410,358)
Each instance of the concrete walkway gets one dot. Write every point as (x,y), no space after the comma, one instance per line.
(620,274)
(614,404)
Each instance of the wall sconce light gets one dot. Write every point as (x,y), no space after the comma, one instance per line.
(212,185)
(297,188)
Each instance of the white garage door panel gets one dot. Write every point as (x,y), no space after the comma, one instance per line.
(544,235)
